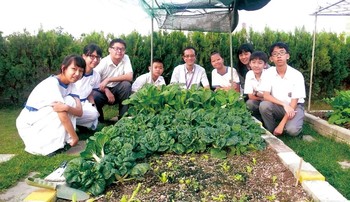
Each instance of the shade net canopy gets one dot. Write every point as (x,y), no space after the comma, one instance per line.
(199,15)
(336,8)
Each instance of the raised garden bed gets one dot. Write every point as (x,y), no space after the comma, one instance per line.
(179,145)
(318,120)
(255,176)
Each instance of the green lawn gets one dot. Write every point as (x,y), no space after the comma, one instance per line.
(323,154)
(24,163)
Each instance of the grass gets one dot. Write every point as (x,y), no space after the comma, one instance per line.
(319,105)
(324,154)
(24,163)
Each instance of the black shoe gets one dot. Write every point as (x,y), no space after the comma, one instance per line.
(59,151)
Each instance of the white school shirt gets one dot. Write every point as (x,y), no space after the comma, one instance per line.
(146,78)
(289,87)
(38,125)
(182,76)
(49,91)
(106,68)
(251,83)
(223,80)
(88,83)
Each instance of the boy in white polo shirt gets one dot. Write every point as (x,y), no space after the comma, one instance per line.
(284,91)
(153,76)
(257,62)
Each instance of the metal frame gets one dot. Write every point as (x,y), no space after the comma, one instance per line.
(340,8)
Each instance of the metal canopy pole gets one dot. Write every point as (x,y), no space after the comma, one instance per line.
(312,63)
(152,17)
(231,59)
(231,51)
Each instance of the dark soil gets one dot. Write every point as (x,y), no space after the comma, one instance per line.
(255,176)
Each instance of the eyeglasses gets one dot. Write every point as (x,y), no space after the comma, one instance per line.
(118,49)
(281,53)
(93,57)
(189,56)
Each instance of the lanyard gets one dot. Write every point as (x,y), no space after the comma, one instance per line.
(188,83)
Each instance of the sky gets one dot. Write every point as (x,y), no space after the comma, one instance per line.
(124,16)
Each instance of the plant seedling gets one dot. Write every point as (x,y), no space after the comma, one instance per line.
(225,167)
(271,198)
(254,161)
(205,194)
(274,180)
(238,177)
(147,190)
(206,157)
(163,177)
(249,169)
(220,197)
(169,164)
(132,197)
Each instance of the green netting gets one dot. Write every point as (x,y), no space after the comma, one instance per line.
(199,15)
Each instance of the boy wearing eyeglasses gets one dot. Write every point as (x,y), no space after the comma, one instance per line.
(116,75)
(283,87)
(154,76)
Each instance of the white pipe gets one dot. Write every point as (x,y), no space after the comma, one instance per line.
(312,63)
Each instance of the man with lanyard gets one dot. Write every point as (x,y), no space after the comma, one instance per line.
(189,74)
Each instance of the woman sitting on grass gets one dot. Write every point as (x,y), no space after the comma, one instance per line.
(47,121)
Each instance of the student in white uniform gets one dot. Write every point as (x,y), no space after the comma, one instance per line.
(284,91)
(47,121)
(189,74)
(154,76)
(222,75)
(91,80)
(257,63)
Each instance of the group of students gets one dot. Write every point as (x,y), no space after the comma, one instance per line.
(76,96)
(275,95)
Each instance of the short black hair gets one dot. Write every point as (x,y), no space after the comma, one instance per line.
(279,45)
(157,60)
(90,48)
(117,41)
(260,55)
(189,48)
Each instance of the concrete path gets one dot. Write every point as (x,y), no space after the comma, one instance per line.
(18,192)
(21,190)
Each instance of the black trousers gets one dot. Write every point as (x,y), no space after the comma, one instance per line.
(121,92)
